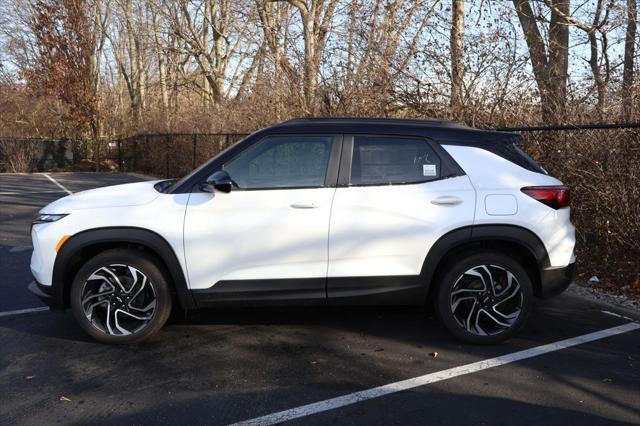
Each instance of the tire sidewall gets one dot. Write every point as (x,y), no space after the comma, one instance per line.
(147,266)
(449,278)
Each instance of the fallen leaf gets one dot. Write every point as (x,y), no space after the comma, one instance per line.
(433,354)
(65,399)
(29,377)
(607,380)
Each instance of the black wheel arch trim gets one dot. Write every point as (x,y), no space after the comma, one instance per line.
(152,241)
(481,233)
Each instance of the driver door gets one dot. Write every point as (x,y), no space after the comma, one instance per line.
(266,240)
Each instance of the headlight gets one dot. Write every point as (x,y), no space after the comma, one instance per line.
(48,218)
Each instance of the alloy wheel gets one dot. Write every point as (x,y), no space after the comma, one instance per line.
(486,300)
(118,300)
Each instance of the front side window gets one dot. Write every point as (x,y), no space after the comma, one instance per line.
(385,160)
(282,162)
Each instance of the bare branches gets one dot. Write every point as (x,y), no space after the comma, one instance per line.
(164,64)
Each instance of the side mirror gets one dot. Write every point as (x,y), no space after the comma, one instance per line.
(219,180)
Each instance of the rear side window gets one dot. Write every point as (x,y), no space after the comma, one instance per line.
(385,160)
(528,162)
(514,154)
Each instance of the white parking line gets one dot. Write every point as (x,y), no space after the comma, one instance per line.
(613,314)
(20,249)
(23,311)
(57,183)
(352,398)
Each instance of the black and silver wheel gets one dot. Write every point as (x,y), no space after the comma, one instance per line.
(484,297)
(120,296)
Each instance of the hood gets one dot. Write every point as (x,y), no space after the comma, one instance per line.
(129,194)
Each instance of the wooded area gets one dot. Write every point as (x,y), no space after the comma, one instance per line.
(108,68)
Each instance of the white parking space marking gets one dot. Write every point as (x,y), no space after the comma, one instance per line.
(352,398)
(613,314)
(23,311)
(57,183)
(20,249)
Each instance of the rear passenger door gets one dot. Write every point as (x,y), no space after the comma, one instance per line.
(395,198)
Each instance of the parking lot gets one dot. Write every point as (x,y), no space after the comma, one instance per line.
(577,362)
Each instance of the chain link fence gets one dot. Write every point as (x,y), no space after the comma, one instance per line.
(601,164)
(168,155)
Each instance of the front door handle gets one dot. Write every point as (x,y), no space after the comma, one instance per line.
(305,205)
(447,200)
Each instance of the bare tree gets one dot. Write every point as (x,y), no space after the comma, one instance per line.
(378,63)
(457,57)
(316,17)
(629,54)
(274,20)
(600,20)
(549,58)
(160,50)
(213,35)
(128,41)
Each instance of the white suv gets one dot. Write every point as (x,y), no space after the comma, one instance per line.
(318,212)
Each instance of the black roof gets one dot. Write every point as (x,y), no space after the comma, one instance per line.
(450,132)
(375,120)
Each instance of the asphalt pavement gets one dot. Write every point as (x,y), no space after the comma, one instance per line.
(303,366)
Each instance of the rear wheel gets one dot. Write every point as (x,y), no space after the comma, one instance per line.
(484,297)
(121,296)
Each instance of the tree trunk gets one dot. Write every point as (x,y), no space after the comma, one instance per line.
(457,58)
(629,52)
(162,66)
(549,68)
(310,59)
(315,24)
(601,86)
(558,61)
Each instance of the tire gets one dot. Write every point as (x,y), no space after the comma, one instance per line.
(121,296)
(484,297)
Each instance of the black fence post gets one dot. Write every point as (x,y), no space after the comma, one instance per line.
(97,145)
(195,144)
(166,157)
(135,154)
(226,141)
(119,142)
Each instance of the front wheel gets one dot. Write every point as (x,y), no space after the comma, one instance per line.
(484,297)
(121,296)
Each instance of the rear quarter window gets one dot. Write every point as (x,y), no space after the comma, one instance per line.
(519,157)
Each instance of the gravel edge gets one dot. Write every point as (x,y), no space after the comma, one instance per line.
(603,296)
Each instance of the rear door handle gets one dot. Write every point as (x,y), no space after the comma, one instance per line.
(447,200)
(305,205)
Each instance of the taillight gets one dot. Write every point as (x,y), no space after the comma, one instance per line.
(553,196)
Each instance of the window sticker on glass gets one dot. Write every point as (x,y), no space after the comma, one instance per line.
(429,170)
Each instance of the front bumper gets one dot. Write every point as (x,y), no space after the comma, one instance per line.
(45,294)
(554,281)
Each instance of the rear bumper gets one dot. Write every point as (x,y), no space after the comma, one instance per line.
(554,281)
(45,294)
